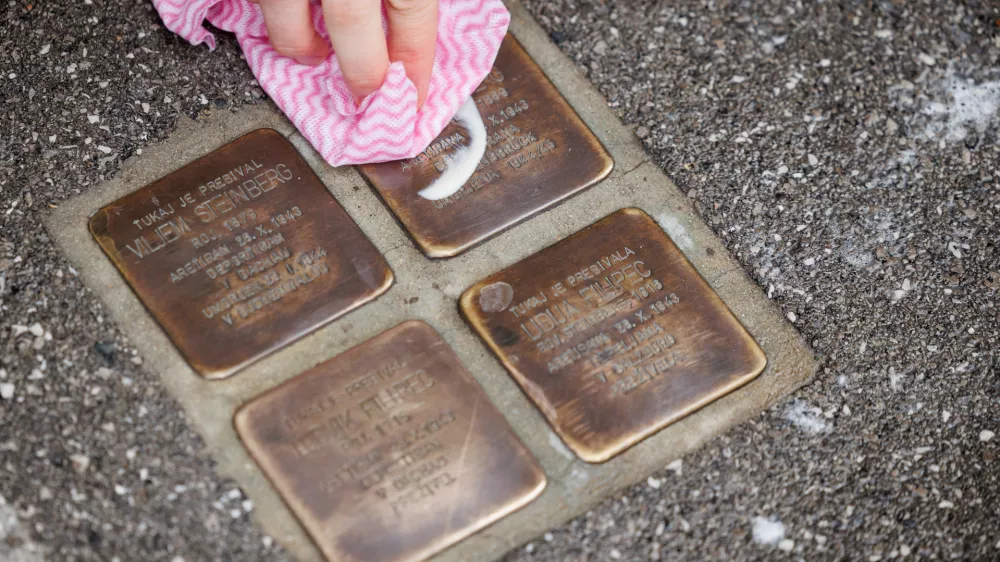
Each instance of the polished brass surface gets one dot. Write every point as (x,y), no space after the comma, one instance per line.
(613,334)
(240,252)
(390,451)
(538,153)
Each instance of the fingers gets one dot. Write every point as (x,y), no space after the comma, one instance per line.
(289,26)
(355,28)
(412,38)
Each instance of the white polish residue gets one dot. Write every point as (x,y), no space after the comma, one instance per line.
(465,159)
(559,446)
(807,418)
(577,478)
(677,232)
(15,542)
(767,530)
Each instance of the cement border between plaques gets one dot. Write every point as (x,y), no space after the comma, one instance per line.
(574,486)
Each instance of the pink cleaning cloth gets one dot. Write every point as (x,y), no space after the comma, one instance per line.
(386,126)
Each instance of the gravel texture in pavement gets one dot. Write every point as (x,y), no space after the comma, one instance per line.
(847,152)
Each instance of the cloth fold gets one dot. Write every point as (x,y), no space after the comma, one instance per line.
(386,124)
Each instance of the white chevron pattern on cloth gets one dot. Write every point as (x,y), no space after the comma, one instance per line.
(386,126)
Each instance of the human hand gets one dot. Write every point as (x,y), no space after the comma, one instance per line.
(355,28)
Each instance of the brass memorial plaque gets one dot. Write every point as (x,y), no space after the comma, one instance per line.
(538,153)
(240,252)
(613,334)
(390,451)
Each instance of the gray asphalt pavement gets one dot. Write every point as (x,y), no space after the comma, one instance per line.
(846,151)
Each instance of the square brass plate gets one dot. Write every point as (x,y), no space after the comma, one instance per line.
(240,252)
(390,451)
(538,152)
(613,334)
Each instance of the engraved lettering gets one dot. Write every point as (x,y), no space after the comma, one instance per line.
(163,235)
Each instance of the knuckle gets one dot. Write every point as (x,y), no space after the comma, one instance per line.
(292,48)
(409,6)
(365,81)
(407,52)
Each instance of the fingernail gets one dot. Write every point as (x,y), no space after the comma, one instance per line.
(310,60)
